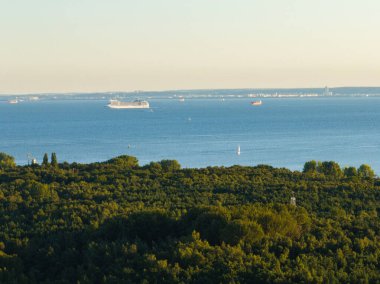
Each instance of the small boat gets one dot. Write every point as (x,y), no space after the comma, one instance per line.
(257,103)
(238,150)
(181,99)
(14,101)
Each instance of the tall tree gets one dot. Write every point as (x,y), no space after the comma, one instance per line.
(45,160)
(53,160)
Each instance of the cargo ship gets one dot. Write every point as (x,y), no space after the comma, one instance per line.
(121,105)
(257,103)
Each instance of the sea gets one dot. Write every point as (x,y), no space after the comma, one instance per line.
(198,132)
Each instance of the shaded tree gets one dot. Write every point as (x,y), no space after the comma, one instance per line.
(116,222)
(331,169)
(45,160)
(310,166)
(350,172)
(53,160)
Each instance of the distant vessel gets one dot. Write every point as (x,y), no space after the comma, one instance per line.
(14,101)
(238,150)
(181,99)
(327,92)
(135,104)
(257,103)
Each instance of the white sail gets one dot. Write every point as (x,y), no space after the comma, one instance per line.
(238,150)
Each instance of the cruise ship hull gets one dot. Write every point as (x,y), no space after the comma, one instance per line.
(121,107)
(128,105)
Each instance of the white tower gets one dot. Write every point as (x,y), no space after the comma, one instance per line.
(293,200)
(31,160)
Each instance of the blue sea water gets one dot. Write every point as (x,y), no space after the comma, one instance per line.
(283,132)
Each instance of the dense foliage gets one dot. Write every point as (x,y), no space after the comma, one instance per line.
(118,222)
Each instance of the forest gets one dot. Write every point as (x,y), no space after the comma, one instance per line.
(120,222)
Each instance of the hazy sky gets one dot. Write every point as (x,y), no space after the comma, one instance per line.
(121,45)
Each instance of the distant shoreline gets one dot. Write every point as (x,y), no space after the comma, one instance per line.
(202,94)
(337,91)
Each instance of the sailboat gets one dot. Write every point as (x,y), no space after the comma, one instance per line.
(238,150)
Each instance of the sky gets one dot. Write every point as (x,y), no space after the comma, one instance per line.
(125,45)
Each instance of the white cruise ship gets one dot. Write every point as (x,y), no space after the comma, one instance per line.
(121,105)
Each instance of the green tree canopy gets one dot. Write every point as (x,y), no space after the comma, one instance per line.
(6,161)
(124,161)
(331,169)
(310,166)
(350,172)
(366,171)
(110,223)
(170,165)
(154,167)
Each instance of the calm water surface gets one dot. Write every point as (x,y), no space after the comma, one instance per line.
(198,132)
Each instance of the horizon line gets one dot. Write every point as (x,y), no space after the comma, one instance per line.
(180,90)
